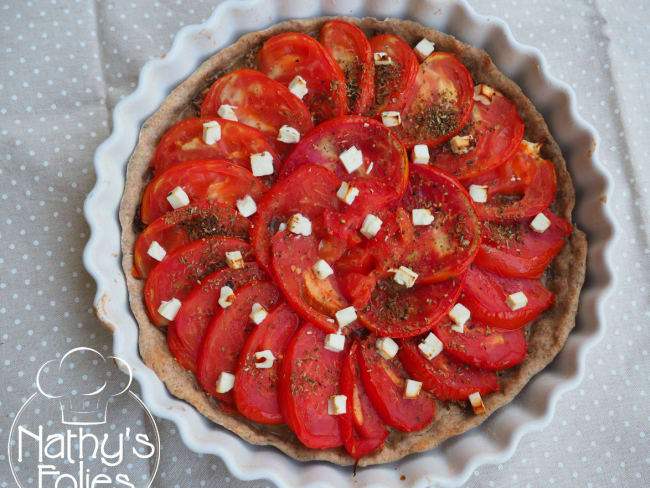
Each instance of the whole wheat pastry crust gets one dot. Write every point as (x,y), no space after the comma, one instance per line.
(546,335)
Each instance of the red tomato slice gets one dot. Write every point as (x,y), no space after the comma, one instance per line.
(261,102)
(227,333)
(483,346)
(440,103)
(220,181)
(185,335)
(178,274)
(497,131)
(485,295)
(184,142)
(393,81)
(351,50)
(314,299)
(514,249)
(357,287)
(309,375)
(285,56)
(396,234)
(397,311)
(444,376)
(256,394)
(379,146)
(522,187)
(176,228)
(385,380)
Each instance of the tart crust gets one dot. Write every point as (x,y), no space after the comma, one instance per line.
(546,336)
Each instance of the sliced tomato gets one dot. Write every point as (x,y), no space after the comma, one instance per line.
(397,311)
(354,260)
(514,249)
(178,274)
(256,392)
(496,132)
(485,295)
(395,80)
(227,333)
(440,103)
(185,334)
(220,181)
(482,346)
(444,376)
(184,142)
(309,377)
(385,380)
(396,234)
(261,102)
(285,56)
(357,287)
(205,218)
(350,48)
(522,187)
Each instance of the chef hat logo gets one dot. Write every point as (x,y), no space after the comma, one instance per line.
(83,381)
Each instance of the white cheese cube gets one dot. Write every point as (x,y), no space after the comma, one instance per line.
(431,346)
(478,193)
(412,389)
(422,216)
(347,193)
(322,269)
(424,48)
(386,347)
(299,224)
(177,198)
(225,382)
(282,226)
(461,144)
(211,132)
(246,206)
(382,58)
(298,87)
(258,313)
(532,148)
(540,223)
(169,309)
(262,164)
(336,404)
(484,94)
(420,154)
(405,276)
(156,251)
(227,112)
(371,226)
(264,359)
(477,403)
(288,134)
(234,259)
(226,297)
(352,159)
(346,316)
(335,342)
(391,118)
(460,315)
(517,300)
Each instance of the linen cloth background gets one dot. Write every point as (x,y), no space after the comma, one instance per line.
(65,64)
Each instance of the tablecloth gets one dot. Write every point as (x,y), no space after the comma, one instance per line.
(65,64)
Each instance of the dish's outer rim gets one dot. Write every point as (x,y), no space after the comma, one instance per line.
(111,302)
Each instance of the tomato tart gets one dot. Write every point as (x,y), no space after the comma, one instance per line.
(350,239)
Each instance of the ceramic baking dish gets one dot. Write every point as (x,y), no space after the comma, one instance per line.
(453,461)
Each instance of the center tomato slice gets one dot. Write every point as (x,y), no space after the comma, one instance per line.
(227,335)
(178,274)
(309,377)
(385,381)
(256,394)
(285,56)
(219,181)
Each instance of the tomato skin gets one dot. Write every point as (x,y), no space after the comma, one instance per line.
(184,142)
(485,295)
(227,333)
(309,375)
(349,47)
(285,56)
(185,334)
(384,381)
(220,181)
(357,287)
(444,376)
(527,253)
(176,228)
(255,391)
(177,274)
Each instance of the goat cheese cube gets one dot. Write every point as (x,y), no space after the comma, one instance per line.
(461,144)
(282,226)
(405,276)
(234,259)
(225,382)
(322,269)
(347,193)
(169,309)
(177,198)
(478,193)
(352,159)
(460,315)
(540,223)
(211,132)
(264,359)
(371,226)
(386,347)
(424,48)
(336,404)
(335,342)
(412,389)
(431,346)
(532,148)
(420,154)
(422,216)
(258,313)
(262,164)
(484,94)
(226,297)
(477,403)
(227,112)
(288,135)
(517,300)
(382,58)
(246,206)
(156,251)
(299,224)
(391,118)
(346,316)
(298,86)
